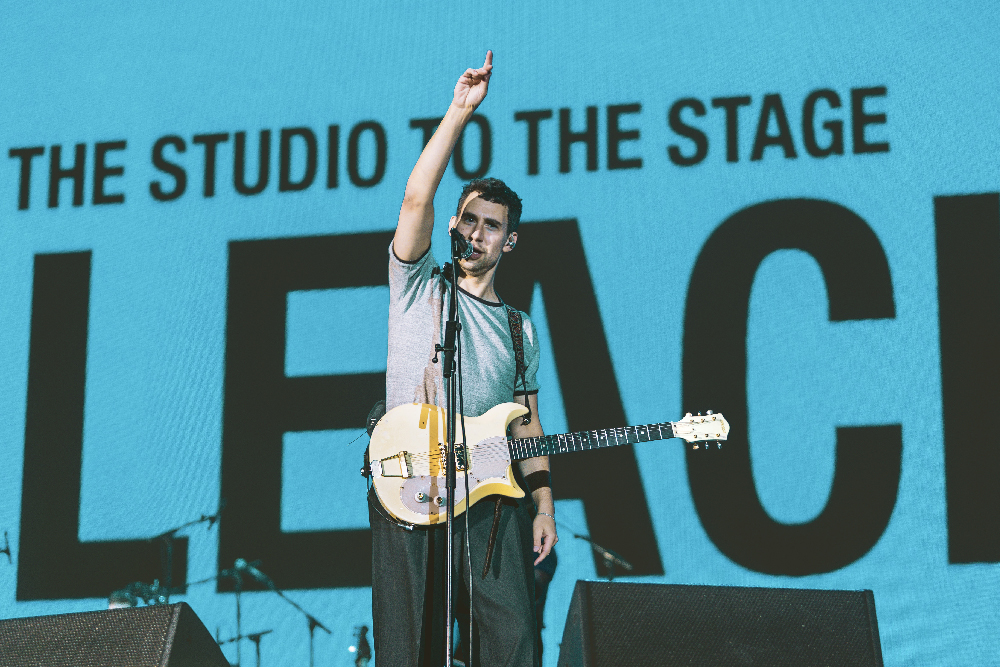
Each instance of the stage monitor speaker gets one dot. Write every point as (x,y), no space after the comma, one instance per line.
(619,624)
(157,636)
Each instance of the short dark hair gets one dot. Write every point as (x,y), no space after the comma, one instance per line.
(495,191)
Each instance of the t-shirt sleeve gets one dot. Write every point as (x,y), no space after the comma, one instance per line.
(408,280)
(532,353)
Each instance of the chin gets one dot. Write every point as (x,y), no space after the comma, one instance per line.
(477,267)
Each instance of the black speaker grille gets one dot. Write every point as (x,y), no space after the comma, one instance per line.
(633,624)
(139,637)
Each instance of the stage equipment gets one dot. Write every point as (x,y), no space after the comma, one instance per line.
(6,549)
(158,636)
(460,249)
(252,636)
(167,551)
(705,626)
(611,558)
(241,567)
(463,248)
(408,460)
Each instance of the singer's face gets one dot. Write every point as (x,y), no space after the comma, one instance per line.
(484,224)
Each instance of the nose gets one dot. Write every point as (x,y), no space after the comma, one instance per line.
(477,233)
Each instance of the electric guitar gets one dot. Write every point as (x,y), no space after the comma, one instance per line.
(407,454)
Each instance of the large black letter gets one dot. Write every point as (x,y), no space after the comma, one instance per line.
(262,403)
(263,163)
(57,174)
(834,127)
(485,150)
(554,259)
(533,119)
(567,138)
(210,142)
(616,135)
(353,164)
(860,120)
(53,563)
(332,156)
(772,105)
(167,167)
(732,106)
(968,259)
(103,171)
(285,182)
(694,134)
(25,155)
(866,477)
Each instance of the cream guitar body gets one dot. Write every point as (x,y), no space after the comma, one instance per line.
(407,454)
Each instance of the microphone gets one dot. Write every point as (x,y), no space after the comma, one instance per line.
(461,244)
(242,566)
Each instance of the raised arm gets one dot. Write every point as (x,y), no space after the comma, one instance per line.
(416,216)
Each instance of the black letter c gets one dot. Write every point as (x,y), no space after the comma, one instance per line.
(868,458)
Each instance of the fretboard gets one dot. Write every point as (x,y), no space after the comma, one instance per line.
(523,448)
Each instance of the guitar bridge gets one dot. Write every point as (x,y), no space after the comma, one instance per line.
(400,465)
(461,460)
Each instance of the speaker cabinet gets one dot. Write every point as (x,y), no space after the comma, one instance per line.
(157,636)
(620,624)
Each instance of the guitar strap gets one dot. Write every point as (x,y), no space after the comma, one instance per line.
(515,322)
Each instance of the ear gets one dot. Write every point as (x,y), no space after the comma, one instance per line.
(511,242)
(452,222)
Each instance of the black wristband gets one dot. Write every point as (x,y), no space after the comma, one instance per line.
(538,480)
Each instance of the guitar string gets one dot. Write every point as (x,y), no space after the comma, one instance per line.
(552,443)
(574,439)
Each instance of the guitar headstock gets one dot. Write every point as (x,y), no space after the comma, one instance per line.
(701,428)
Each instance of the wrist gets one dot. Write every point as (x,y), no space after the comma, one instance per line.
(543,502)
(464,112)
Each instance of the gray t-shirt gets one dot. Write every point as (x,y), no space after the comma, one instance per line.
(418,309)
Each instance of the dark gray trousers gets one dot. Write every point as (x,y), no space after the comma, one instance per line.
(408,589)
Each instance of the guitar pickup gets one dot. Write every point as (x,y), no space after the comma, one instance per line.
(400,465)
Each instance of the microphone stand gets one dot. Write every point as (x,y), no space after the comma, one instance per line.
(251,569)
(611,558)
(237,577)
(451,338)
(6,548)
(253,636)
(312,620)
(167,554)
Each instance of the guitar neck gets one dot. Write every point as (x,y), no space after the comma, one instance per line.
(524,448)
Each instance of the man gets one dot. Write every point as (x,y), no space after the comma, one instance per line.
(408,566)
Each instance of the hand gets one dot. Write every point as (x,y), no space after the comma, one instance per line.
(470,90)
(544,529)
